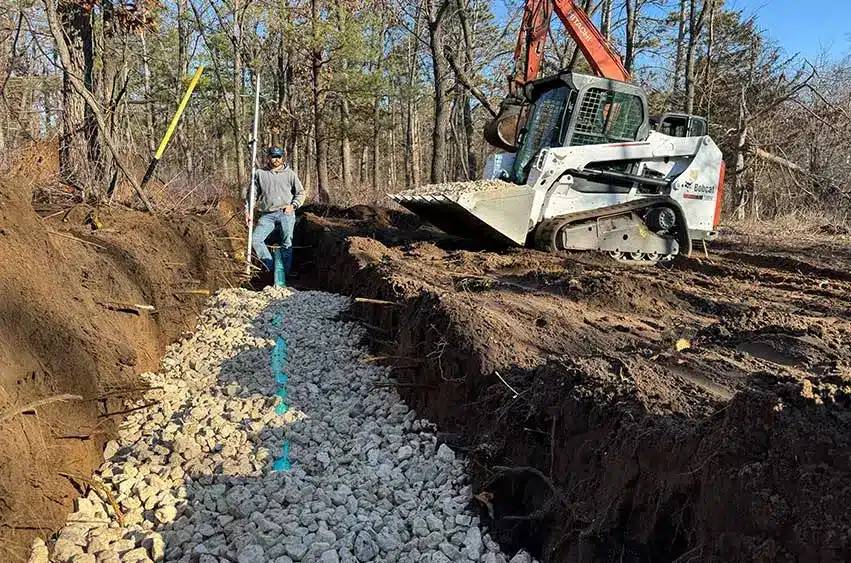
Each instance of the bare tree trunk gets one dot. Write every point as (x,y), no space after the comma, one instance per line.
(708,80)
(182,40)
(182,71)
(421,151)
(49,95)
(282,64)
(293,144)
(376,137)
(376,114)
(320,136)
(440,73)
(149,104)
(606,19)
(631,25)
(345,142)
(572,54)
(416,149)
(690,62)
(80,89)
(695,25)
(466,109)
(745,195)
(3,121)
(223,164)
(452,169)
(309,158)
(110,83)
(238,90)
(300,161)
(470,134)
(79,129)
(345,113)
(680,53)
(412,176)
(459,154)
(741,188)
(285,102)
(6,61)
(780,161)
(364,158)
(391,152)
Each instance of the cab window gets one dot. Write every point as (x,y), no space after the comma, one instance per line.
(606,116)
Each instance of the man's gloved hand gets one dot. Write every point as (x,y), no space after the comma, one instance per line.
(247,215)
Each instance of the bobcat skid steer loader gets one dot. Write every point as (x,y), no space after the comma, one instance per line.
(588,174)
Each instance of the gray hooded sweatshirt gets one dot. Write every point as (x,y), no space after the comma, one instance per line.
(278,188)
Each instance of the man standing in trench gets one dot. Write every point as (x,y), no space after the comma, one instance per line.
(279,194)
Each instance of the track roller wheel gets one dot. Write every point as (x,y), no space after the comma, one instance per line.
(640,258)
(548,235)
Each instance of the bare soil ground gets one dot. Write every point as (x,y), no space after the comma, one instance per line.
(69,326)
(592,436)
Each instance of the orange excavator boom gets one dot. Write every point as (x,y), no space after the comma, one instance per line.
(529,55)
(531,41)
(603,60)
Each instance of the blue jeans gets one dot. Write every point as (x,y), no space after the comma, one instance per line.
(265,225)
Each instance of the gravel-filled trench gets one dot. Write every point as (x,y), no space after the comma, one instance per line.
(592,436)
(193,471)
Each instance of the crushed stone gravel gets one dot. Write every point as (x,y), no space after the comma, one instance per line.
(193,472)
(456,189)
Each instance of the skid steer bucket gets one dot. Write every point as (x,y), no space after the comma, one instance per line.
(499,215)
(501,131)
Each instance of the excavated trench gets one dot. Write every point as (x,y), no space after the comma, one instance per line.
(590,435)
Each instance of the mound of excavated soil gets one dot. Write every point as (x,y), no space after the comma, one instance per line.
(81,313)
(592,435)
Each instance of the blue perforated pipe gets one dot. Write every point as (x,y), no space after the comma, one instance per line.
(280,276)
(279,358)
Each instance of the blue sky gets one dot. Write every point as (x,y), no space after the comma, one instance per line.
(807,27)
(803,27)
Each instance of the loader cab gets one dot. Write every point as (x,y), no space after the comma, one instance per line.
(572,109)
(680,125)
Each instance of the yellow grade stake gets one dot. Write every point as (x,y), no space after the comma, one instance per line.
(172,126)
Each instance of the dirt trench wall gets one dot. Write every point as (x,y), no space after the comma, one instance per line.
(72,340)
(576,467)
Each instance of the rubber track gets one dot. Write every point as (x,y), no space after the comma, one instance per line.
(547,229)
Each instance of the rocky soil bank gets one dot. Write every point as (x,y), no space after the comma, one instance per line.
(82,312)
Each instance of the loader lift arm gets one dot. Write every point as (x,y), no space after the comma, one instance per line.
(529,54)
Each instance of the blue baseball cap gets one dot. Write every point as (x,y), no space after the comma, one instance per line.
(275,152)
